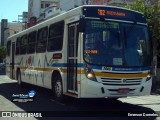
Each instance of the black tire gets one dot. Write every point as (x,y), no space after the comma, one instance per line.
(57,88)
(19,80)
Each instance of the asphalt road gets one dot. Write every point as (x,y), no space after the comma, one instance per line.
(94,109)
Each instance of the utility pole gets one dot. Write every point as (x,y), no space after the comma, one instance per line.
(4,24)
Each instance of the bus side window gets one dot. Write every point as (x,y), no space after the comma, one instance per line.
(23,45)
(42,40)
(55,40)
(18,42)
(31,42)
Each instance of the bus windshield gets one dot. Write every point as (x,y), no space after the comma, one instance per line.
(116,44)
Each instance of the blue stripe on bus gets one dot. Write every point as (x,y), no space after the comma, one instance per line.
(131,69)
(81,65)
(122,69)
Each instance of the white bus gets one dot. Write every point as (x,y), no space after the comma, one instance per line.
(87,52)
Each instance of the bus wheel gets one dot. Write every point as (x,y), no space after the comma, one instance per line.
(19,78)
(57,88)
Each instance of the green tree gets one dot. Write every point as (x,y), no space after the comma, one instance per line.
(3,52)
(151,9)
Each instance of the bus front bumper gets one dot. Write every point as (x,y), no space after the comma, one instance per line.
(91,89)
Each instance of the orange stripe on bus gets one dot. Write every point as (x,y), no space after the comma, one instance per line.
(81,71)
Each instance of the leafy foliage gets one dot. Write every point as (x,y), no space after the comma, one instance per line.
(153,18)
(3,52)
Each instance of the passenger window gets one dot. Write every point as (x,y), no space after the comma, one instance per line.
(55,40)
(18,42)
(23,45)
(42,40)
(32,42)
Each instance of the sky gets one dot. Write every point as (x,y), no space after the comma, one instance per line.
(10,9)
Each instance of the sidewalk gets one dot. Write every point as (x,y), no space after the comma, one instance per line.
(150,102)
(143,100)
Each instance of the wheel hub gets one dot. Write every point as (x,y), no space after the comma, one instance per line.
(58,89)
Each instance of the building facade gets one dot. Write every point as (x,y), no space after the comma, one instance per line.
(36,7)
(120,2)
(8,29)
(14,28)
(44,9)
(70,4)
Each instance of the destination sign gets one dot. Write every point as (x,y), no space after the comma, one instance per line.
(113,13)
(102,12)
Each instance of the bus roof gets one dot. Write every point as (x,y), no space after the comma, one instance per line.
(110,6)
(92,12)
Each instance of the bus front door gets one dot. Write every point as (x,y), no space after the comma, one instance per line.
(12,75)
(72,58)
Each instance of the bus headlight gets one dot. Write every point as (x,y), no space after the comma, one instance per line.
(89,73)
(148,77)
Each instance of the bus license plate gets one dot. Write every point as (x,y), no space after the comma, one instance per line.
(123,90)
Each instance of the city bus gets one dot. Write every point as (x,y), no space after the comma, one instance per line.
(92,51)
